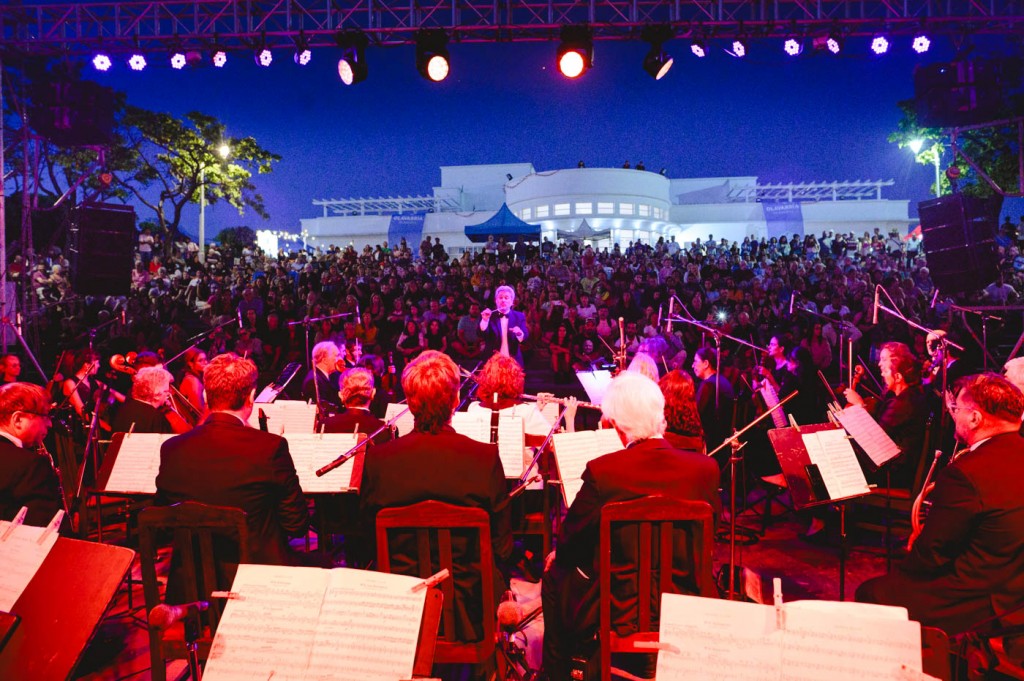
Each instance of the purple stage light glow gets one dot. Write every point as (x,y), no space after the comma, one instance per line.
(921,44)
(739,48)
(178,60)
(793,47)
(101,62)
(220,58)
(303,57)
(137,62)
(698,50)
(880,45)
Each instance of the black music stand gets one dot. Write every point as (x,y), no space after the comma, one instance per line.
(61,608)
(806,487)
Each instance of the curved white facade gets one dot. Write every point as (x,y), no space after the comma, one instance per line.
(630,204)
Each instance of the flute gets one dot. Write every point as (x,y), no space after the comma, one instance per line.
(562,401)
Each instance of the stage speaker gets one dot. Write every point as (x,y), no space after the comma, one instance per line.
(958,93)
(72,113)
(103,249)
(959,241)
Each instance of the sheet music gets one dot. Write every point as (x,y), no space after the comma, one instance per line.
(573,451)
(312,451)
(285,417)
(21,554)
(406,421)
(511,436)
(137,463)
(595,383)
(875,442)
(368,627)
(720,640)
(837,463)
(271,628)
(299,624)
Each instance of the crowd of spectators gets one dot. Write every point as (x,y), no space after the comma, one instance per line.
(395,301)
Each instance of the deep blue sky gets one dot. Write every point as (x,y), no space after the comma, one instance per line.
(813,118)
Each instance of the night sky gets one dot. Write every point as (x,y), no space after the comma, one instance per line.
(817,117)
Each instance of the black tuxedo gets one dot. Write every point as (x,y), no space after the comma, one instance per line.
(27,479)
(968,563)
(326,385)
(492,334)
(224,462)
(352,418)
(570,586)
(145,417)
(445,467)
(716,420)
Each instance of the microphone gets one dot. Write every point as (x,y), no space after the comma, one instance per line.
(668,320)
(335,464)
(792,299)
(510,614)
(163,616)
(874,316)
(262,418)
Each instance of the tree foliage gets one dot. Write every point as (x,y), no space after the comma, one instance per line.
(237,236)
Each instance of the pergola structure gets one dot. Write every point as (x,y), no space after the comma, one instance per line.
(82,28)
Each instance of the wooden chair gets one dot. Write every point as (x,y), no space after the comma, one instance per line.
(432,524)
(656,519)
(194,527)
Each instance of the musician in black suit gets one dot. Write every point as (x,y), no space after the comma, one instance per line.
(504,330)
(714,397)
(27,478)
(147,410)
(435,463)
(357,391)
(967,565)
(225,462)
(648,465)
(321,383)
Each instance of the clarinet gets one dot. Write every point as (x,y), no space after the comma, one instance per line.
(42,451)
(494,419)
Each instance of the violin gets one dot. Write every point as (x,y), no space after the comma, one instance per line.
(855,378)
(182,414)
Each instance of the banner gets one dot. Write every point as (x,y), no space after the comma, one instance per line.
(783,218)
(409,227)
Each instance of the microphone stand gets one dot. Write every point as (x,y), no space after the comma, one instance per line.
(734,459)
(352,450)
(308,321)
(194,340)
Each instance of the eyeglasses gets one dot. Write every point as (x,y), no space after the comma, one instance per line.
(953,409)
(36,413)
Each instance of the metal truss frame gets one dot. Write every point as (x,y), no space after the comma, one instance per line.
(82,28)
(813,191)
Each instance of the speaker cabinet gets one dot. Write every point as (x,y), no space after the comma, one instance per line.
(103,249)
(959,241)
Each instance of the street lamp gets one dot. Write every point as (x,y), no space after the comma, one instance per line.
(223,150)
(915,146)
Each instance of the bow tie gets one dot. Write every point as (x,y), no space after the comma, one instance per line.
(499,315)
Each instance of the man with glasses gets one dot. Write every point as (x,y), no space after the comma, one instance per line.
(27,477)
(966,569)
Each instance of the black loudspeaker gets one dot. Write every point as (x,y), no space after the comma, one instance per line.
(959,235)
(72,113)
(958,93)
(103,249)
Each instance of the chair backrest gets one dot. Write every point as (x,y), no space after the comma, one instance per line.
(432,524)
(196,529)
(658,522)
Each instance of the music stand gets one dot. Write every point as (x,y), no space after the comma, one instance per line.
(806,486)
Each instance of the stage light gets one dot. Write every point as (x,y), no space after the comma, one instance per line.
(834,44)
(302,53)
(658,62)
(793,46)
(352,67)
(921,43)
(575,51)
(739,48)
(137,62)
(220,58)
(101,62)
(264,57)
(699,47)
(432,54)
(178,60)
(880,44)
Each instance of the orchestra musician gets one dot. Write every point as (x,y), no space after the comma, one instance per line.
(504,330)
(967,565)
(683,429)
(715,397)
(27,477)
(902,410)
(10,369)
(357,392)
(225,462)
(647,464)
(435,462)
(502,377)
(321,383)
(148,409)
(80,389)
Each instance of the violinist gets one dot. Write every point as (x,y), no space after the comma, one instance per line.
(715,397)
(191,386)
(321,383)
(967,566)
(80,390)
(148,410)
(902,410)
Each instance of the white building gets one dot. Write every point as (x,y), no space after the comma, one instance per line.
(620,204)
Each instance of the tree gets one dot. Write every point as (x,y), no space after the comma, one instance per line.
(237,237)
(176,159)
(993,148)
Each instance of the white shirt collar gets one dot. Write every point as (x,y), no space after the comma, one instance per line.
(12,438)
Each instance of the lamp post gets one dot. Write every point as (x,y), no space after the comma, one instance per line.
(915,146)
(223,151)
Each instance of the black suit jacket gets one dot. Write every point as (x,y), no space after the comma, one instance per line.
(27,479)
(348,420)
(972,544)
(492,335)
(717,422)
(223,462)
(145,417)
(445,467)
(328,389)
(648,467)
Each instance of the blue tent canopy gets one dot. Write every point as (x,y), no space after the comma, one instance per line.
(503,223)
